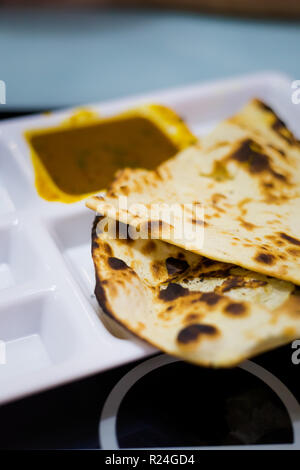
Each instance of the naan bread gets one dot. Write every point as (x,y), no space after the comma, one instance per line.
(203,311)
(246,176)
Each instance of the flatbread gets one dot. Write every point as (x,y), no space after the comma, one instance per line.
(245,175)
(203,311)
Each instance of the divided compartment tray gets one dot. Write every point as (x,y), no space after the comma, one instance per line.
(51,326)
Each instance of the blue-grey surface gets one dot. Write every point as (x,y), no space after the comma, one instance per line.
(56,58)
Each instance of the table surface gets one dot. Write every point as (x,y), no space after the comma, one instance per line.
(53,58)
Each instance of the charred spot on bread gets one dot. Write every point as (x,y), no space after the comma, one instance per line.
(289,239)
(265,258)
(157,268)
(107,248)
(149,247)
(264,106)
(95,244)
(234,282)
(176,266)
(278,124)
(101,297)
(172,292)
(281,129)
(251,153)
(193,332)
(116,263)
(210,298)
(235,308)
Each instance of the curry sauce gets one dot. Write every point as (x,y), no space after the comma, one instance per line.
(73,161)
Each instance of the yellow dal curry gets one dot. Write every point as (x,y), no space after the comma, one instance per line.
(81,156)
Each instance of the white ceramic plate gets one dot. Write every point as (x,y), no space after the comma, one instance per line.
(50,322)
